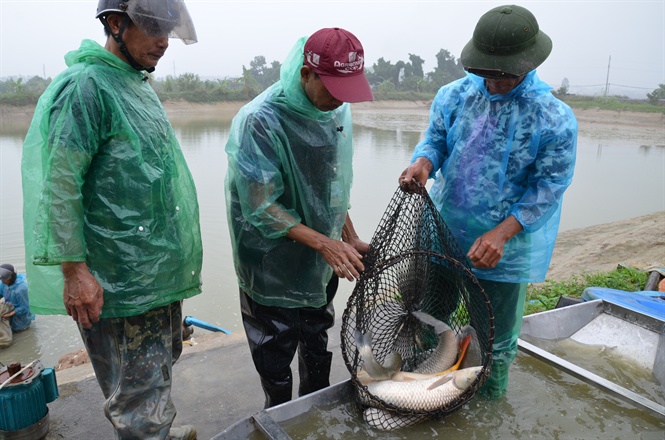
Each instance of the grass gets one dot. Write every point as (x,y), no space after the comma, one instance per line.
(544,296)
(612,103)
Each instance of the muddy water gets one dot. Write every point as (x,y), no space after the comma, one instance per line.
(615,178)
(542,403)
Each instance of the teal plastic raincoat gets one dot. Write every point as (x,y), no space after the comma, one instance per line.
(501,155)
(289,163)
(105,182)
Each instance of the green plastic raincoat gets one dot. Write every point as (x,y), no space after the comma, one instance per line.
(289,163)
(105,182)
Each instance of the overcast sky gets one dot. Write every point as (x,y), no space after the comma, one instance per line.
(35,35)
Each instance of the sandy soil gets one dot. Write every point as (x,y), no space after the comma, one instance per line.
(638,242)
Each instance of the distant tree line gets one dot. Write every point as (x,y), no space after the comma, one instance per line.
(403,80)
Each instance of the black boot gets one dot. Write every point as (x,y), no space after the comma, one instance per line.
(314,372)
(276,391)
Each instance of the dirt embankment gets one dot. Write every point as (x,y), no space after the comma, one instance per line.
(638,242)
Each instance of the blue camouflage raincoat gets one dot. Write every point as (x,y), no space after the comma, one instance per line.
(17,295)
(501,155)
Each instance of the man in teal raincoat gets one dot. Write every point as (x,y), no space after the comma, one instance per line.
(111,213)
(287,193)
(501,149)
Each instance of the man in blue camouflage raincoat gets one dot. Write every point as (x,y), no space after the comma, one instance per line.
(501,149)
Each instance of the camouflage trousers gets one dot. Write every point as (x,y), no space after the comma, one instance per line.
(132,358)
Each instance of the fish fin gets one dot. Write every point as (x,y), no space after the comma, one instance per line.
(402,376)
(363,377)
(464,346)
(437,383)
(393,362)
(425,318)
(372,367)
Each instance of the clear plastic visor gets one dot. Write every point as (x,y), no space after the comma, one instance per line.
(5,274)
(168,18)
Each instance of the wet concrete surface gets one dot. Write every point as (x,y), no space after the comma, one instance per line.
(214,385)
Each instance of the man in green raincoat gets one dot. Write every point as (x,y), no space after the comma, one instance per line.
(501,149)
(287,194)
(111,213)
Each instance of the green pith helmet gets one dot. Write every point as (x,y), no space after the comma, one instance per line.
(506,42)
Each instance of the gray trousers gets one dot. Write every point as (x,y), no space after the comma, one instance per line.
(132,358)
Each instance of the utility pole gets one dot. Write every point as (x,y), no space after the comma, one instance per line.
(607,80)
(173,69)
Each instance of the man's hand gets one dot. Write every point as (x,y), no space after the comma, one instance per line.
(83,295)
(345,260)
(417,171)
(487,250)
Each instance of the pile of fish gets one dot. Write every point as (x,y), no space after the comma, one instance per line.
(439,381)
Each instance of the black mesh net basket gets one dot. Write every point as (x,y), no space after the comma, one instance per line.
(414,265)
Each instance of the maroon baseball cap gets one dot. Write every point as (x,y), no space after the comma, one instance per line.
(337,56)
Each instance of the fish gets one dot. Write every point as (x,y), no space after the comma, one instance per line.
(445,354)
(416,395)
(474,356)
(375,370)
(444,358)
(386,420)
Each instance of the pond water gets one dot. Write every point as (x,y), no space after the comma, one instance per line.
(615,178)
(559,407)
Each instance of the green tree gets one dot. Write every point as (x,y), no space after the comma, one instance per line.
(416,65)
(447,69)
(380,72)
(250,86)
(189,83)
(264,74)
(657,96)
(37,85)
(563,90)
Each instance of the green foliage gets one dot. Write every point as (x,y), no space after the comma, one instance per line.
(15,92)
(657,97)
(448,69)
(397,81)
(563,90)
(264,75)
(544,296)
(611,103)
(409,78)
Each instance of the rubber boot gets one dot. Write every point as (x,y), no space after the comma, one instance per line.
(508,306)
(276,391)
(184,432)
(314,371)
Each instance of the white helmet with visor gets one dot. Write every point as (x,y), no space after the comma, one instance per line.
(155,18)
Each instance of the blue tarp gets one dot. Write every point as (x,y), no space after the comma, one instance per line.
(648,302)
